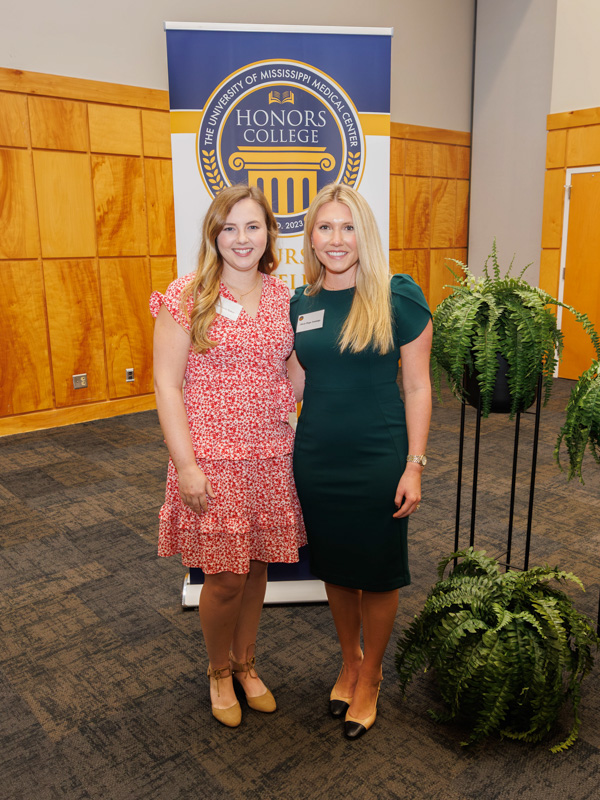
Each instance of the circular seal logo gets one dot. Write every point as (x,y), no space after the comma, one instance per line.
(285,127)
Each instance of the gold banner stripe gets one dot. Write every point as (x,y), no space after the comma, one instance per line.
(189,122)
(375,124)
(185,121)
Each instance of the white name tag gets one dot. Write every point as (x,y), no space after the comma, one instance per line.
(228,308)
(308,322)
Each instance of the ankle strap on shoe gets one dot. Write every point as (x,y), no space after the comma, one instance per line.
(217,674)
(247,667)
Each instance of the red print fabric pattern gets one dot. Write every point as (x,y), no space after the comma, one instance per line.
(237,397)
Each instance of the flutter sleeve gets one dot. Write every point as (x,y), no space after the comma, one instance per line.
(295,306)
(411,312)
(172,300)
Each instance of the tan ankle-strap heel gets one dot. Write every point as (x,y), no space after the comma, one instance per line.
(232,716)
(264,702)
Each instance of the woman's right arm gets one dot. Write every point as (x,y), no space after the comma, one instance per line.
(171,353)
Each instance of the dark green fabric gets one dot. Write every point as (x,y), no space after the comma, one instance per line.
(351,443)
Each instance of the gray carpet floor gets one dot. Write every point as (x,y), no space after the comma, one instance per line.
(103,691)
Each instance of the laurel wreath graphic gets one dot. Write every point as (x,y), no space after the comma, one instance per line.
(351,172)
(211,171)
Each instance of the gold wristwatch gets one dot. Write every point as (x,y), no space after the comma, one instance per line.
(422,460)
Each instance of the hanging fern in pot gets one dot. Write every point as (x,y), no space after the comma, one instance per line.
(582,422)
(507,649)
(493,316)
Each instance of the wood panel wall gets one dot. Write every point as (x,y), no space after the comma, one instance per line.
(86,232)
(573,141)
(429,204)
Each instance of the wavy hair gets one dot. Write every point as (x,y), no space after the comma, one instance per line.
(369,321)
(204,288)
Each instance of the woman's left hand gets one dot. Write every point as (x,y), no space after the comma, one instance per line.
(408,493)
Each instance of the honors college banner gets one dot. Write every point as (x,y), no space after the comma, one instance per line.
(287,109)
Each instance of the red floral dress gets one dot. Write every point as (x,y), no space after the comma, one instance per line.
(237,397)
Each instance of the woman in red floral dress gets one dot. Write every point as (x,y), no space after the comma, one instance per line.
(223,335)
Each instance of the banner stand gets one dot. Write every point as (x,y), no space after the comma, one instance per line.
(286,584)
(288,109)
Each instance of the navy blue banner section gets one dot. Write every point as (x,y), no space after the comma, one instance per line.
(200,59)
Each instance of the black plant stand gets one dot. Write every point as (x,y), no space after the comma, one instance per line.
(513,485)
(536,413)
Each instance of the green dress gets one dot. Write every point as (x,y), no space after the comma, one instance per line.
(351,441)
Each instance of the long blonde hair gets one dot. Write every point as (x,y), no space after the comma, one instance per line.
(369,321)
(204,288)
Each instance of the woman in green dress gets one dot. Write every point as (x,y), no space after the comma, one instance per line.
(359,450)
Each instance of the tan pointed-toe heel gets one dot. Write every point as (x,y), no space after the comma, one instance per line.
(264,702)
(232,716)
(355,728)
(338,704)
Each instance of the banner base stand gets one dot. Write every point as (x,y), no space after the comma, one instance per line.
(278,592)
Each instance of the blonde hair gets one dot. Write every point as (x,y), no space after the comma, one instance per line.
(204,288)
(369,321)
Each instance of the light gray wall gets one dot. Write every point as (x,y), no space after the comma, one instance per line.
(576,78)
(122,41)
(513,86)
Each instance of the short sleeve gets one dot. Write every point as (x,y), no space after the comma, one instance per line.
(172,300)
(294,305)
(279,287)
(411,312)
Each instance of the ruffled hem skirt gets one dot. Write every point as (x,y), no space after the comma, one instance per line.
(255,515)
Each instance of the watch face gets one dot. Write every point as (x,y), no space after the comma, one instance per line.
(423,460)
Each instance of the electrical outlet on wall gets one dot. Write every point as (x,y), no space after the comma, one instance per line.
(80,381)
(129,375)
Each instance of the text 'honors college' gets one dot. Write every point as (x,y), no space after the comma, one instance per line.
(285,127)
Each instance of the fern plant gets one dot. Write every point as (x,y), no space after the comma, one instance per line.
(507,648)
(504,315)
(582,422)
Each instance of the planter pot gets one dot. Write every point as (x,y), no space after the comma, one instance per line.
(507,649)
(501,399)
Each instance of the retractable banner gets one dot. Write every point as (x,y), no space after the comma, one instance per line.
(288,109)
